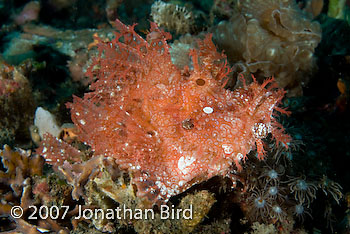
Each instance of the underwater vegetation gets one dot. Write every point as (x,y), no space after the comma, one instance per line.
(174,116)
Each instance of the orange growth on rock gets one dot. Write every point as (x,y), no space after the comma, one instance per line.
(171,128)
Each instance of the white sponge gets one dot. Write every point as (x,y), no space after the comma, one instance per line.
(46,122)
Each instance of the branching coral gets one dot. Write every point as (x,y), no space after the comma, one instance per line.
(16,183)
(79,174)
(171,128)
(19,165)
(270,38)
(103,186)
(23,183)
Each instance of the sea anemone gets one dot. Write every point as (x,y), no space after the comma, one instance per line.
(304,191)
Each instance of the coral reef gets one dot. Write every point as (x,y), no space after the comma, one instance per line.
(24,185)
(108,180)
(16,181)
(270,38)
(101,185)
(162,124)
(19,166)
(76,44)
(30,12)
(16,103)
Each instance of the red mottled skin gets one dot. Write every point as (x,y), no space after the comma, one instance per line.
(171,128)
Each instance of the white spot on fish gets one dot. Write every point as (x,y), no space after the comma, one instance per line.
(184,163)
(228,149)
(44,150)
(208,110)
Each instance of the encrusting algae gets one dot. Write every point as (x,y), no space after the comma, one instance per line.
(169,128)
